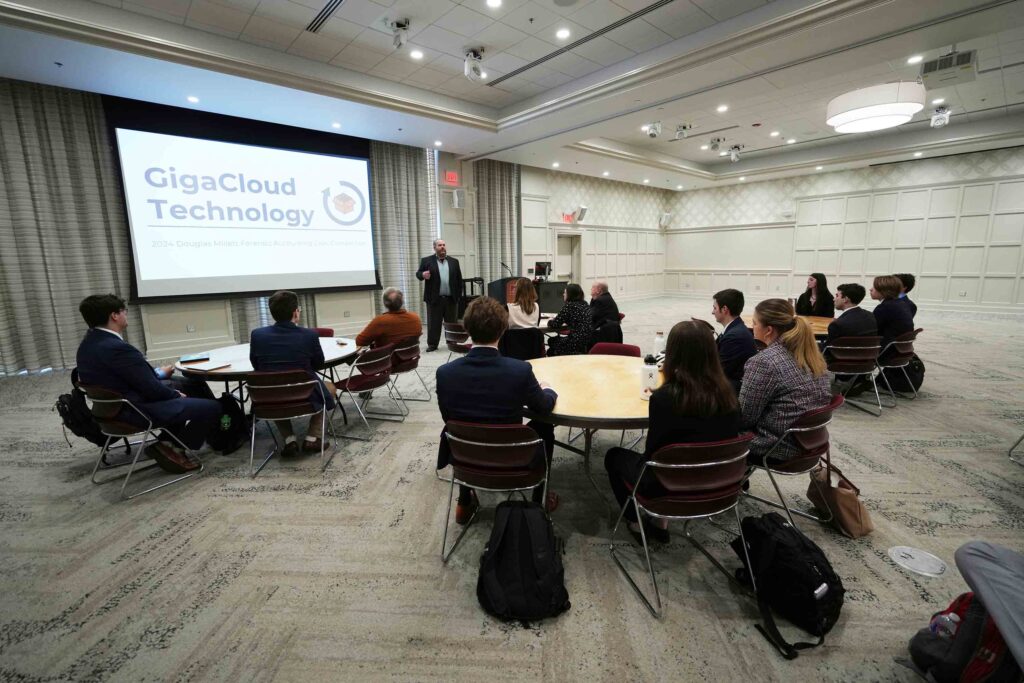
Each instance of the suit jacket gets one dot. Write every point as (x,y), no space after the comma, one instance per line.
(913,307)
(735,346)
(105,360)
(826,308)
(893,318)
(667,426)
(286,346)
(432,287)
(485,387)
(855,322)
(604,310)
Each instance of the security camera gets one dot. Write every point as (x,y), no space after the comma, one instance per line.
(654,129)
(399,32)
(941,117)
(471,68)
(682,130)
(734,153)
(716,143)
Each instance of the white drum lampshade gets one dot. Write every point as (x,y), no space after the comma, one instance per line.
(876,107)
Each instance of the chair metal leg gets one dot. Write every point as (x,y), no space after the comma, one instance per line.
(132,470)
(444,539)
(376,414)
(252,450)
(634,442)
(1013,448)
(655,612)
(887,386)
(909,384)
(785,506)
(426,389)
(860,405)
(699,546)
(103,466)
(355,402)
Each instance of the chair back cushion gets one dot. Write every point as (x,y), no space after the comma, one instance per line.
(701,478)
(609,349)
(324,331)
(522,343)
(853,355)
(900,351)
(406,356)
(498,447)
(279,395)
(810,430)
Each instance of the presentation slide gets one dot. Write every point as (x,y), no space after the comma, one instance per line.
(210,217)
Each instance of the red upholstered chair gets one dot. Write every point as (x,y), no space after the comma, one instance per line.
(897,354)
(810,438)
(406,359)
(856,357)
(370,370)
(324,331)
(456,338)
(702,480)
(498,458)
(622,316)
(106,407)
(610,349)
(282,395)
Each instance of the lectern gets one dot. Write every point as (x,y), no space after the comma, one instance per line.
(504,290)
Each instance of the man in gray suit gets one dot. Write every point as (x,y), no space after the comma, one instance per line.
(442,280)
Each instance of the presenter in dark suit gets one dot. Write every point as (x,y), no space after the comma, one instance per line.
(736,343)
(106,360)
(603,308)
(851,320)
(286,346)
(442,287)
(484,387)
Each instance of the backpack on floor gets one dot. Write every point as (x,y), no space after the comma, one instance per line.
(898,382)
(76,417)
(793,577)
(976,650)
(232,430)
(521,574)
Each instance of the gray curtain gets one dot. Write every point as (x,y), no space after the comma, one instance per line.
(249,313)
(63,231)
(404,216)
(497,218)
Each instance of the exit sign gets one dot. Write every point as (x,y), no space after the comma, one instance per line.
(451,177)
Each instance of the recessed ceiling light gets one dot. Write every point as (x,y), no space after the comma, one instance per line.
(554,164)
(722,108)
(335,125)
(193,99)
(818,168)
(742,178)
(416,54)
(939,100)
(916,59)
(917,154)
(647,180)
(562,33)
(722,154)
(494,4)
(606,174)
(483,74)
(704,147)
(645,128)
(679,187)
(790,141)
(774,133)
(437,143)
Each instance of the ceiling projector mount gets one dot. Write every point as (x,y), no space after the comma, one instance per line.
(716,143)
(471,68)
(399,32)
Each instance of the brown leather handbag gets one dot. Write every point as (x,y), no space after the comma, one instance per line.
(848,513)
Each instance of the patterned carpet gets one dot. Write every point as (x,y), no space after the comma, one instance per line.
(299,575)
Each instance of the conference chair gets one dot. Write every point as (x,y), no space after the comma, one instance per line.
(324,331)
(456,338)
(283,395)
(702,480)
(406,359)
(811,440)
(106,406)
(622,316)
(370,370)
(855,357)
(498,458)
(524,343)
(897,354)
(610,332)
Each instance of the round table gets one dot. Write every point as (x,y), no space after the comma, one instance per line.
(594,392)
(336,351)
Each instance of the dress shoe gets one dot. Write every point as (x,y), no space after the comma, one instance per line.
(656,533)
(431,348)
(313,446)
(464,513)
(290,450)
(170,459)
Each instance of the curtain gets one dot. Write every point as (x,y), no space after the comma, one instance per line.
(497,218)
(63,231)
(404,216)
(249,313)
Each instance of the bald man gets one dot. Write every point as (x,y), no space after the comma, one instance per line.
(603,309)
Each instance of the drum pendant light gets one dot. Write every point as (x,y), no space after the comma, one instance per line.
(876,107)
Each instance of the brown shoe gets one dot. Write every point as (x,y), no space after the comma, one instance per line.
(170,459)
(313,446)
(464,513)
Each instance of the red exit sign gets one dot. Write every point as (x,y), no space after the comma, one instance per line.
(451,177)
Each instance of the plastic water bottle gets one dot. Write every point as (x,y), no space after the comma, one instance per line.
(945,625)
(648,377)
(659,343)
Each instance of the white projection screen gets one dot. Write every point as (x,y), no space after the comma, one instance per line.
(209,217)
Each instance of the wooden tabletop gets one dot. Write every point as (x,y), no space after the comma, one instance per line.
(818,323)
(237,357)
(599,392)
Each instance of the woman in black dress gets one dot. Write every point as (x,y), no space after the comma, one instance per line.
(575,316)
(695,404)
(816,299)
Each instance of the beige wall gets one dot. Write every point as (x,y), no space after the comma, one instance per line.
(458,226)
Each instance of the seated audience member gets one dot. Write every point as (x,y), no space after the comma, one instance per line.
(816,299)
(603,309)
(892,315)
(695,404)
(286,346)
(736,343)
(851,320)
(105,360)
(575,315)
(524,311)
(907,282)
(783,381)
(486,388)
(394,325)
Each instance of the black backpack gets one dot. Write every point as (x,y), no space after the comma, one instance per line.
(521,575)
(76,417)
(793,577)
(898,381)
(234,427)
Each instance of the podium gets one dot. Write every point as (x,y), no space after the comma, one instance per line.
(504,290)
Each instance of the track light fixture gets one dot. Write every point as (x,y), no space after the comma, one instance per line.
(734,153)
(716,143)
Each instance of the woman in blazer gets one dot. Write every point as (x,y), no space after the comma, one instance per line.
(816,299)
(575,315)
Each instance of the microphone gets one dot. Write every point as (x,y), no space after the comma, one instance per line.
(506,268)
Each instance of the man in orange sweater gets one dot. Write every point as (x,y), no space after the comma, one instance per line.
(394,325)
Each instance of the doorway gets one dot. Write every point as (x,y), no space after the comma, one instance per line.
(569,259)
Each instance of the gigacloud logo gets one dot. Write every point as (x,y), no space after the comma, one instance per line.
(343,208)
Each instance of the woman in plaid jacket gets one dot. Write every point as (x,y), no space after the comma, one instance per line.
(782,382)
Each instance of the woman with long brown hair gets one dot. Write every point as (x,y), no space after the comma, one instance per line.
(695,404)
(782,382)
(523,311)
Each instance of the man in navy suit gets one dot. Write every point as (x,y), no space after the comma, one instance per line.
(442,288)
(735,343)
(286,346)
(484,387)
(907,282)
(105,360)
(851,320)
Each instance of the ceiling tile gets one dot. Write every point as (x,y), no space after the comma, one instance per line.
(160,10)
(498,37)
(358,58)
(561,6)
(679,19)
(427,77)
(639,36)
(340,29)
(460,85)
(532,48)
(494,12)
(603,51)
(633,5)
(317,47)
(464,21)
(217,16)
(447,64)
(571,64)
(721,10)
(273,32)
(554,79)
(362,12)
(504,62)
(248,5)
(576,31)
(599,14)
(397,66)
(286,12)
(420,13)
(443,40)
(375,40)
(530,18)
(429,54)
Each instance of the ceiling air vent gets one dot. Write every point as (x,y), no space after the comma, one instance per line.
(951,69)
(323,15)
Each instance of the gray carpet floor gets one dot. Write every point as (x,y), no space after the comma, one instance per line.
(303,575)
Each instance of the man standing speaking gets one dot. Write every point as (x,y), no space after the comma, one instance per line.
(442,289)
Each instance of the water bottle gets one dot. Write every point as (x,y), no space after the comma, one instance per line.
(648,377)
(945,625)
(659,343)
